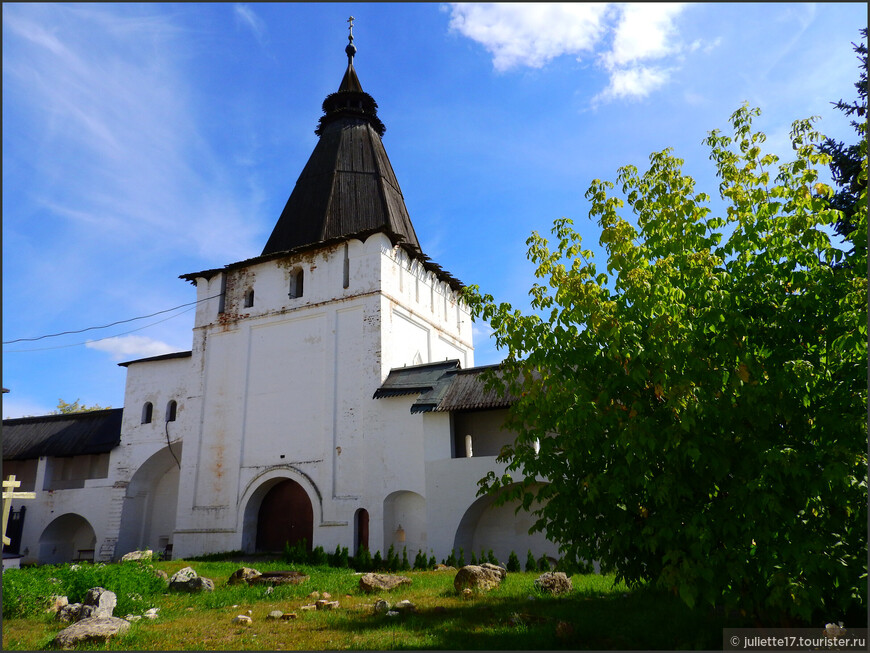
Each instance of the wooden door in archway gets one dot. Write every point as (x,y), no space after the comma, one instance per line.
(285,516)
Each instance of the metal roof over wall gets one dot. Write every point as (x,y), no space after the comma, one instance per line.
(74,434)
(443,387)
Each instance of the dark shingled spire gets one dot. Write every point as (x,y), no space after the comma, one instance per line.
(348,187)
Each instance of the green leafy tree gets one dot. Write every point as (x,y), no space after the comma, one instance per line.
(66,408)
(707,391)
(846,160)
(513,563)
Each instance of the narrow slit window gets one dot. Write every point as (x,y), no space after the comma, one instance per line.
(249,298)
(171,409)
(147,412)
(296,287)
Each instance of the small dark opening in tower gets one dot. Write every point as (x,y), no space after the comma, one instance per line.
(147,412)
(171,409)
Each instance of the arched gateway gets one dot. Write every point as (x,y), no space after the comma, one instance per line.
(285,516)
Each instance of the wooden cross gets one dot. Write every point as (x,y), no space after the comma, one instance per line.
(8,495)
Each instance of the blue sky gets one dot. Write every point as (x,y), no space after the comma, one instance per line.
(141,142)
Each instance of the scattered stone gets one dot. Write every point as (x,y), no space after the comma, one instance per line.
(381,606)
(554,582)
(94,629)
(479,577)
(183,575)
(243,575)
(146,554)
(132,618)
(467,593)
(326,595)
(270,589)
(323,604)
(405,606)
(235,606)
(833,630)
(287,616)
(57,603)
(151,613)
(102,600)
(275,614)
(243,620)
(392,613)
(162,574)
(187,580)
(381,582)
(69,612)
(281,578)
(443,567)
(249,612)
(306,608)
(314,595)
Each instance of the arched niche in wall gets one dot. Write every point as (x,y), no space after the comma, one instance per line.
(486,526)
(67,538)
(150,503)
(405,523)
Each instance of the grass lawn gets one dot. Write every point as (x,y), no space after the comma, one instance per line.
(597,615)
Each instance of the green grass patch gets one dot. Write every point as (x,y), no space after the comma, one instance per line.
(599,614)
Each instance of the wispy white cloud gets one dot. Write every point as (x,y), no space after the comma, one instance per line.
(643,32)
(121,347)
(631,83)
(246,16)
(530,34)
(623,39)
(109,90)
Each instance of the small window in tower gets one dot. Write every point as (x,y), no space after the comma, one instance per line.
(296,279)
(249,298)
(171,409)
(147,412)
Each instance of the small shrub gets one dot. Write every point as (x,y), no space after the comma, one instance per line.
(513,563)
(473,558)
(531,563)
(543,564)
(420,560)
(318,557)
(490,557)
(362,561)
(344,558)
(451,559)
(296,554)
(406,565)
(432,562)
(461,560)
(377,562)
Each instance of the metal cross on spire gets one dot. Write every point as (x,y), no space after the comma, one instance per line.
(351,48)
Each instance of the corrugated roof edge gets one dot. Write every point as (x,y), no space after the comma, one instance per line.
(162,357)
(395,238)
(62,416)
(391,387)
